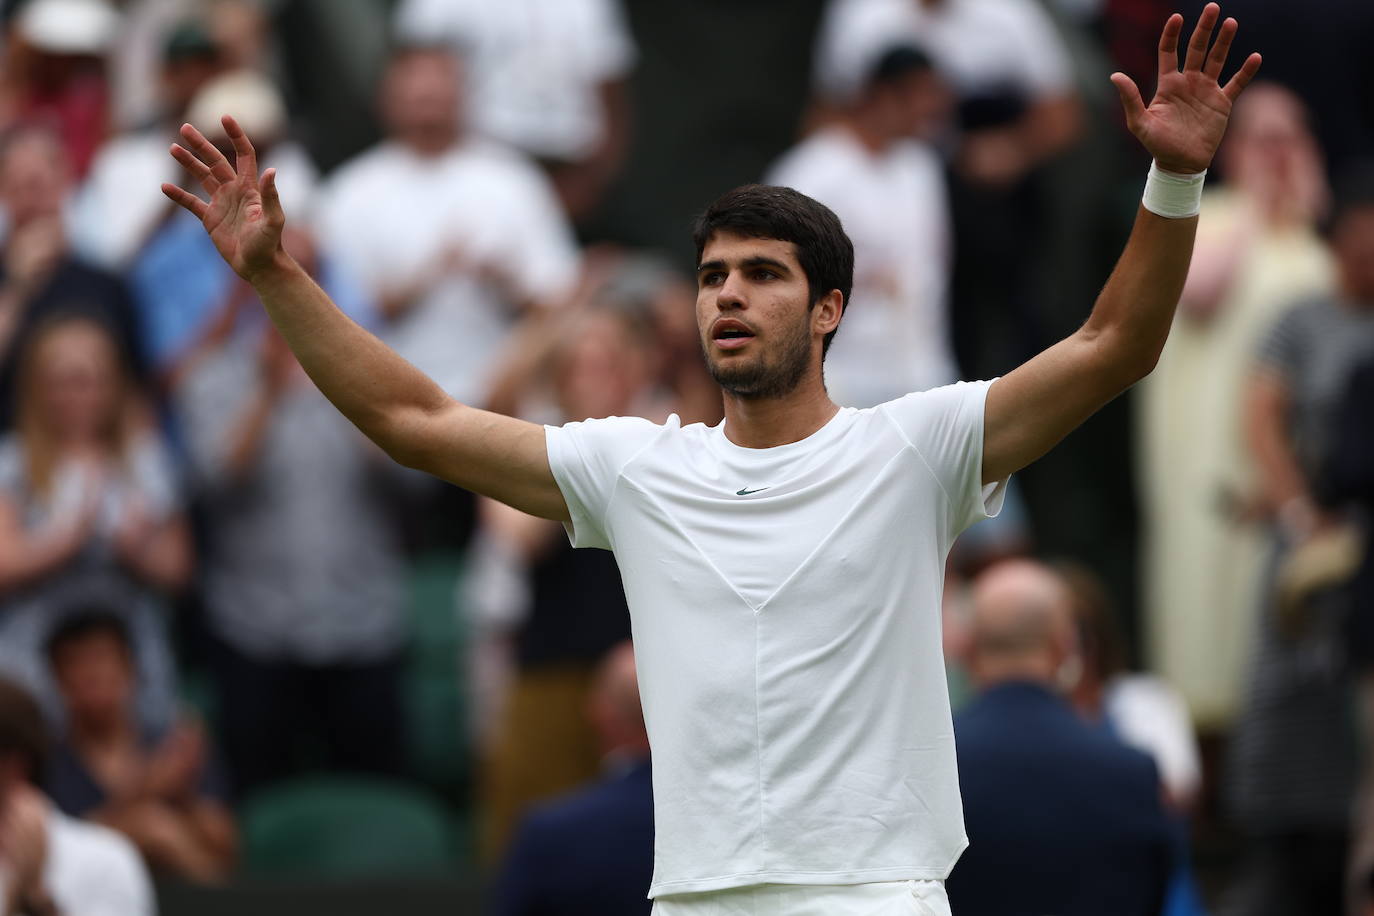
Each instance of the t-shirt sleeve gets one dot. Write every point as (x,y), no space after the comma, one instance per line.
(945,427)
(587,458)
(1281,349)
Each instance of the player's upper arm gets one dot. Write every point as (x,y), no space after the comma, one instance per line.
(488,453)
(1030,409)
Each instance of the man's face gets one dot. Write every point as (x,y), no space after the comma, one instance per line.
(753,316)
(420,96)
(33,179)
(95,677)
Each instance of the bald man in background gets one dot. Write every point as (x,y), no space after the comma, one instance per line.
(1061,818)
(592,853)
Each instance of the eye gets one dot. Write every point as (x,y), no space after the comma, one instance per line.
(711,278)
(764,273)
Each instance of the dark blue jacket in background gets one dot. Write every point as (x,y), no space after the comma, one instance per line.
(589,854)
(1062,819)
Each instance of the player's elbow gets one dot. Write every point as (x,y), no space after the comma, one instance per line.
(1119,358)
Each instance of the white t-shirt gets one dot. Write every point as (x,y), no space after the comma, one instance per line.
(389,214)
(893,206)
(980,46)
(785,605)
(93,871)
(534,67)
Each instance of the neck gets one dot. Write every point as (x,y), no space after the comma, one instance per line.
(430,142)
(990,671)
(867,127)
(769,422)
(101,733)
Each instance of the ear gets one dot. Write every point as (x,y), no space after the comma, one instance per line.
(825,316)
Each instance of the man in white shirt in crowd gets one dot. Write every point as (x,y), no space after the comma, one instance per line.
(783,569)
(453,235)
(547,77)
(50,864)
(985,49)
(887,187)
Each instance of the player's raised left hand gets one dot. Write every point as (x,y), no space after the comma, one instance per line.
(1184,122)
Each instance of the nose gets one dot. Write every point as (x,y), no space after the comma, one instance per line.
(730,294)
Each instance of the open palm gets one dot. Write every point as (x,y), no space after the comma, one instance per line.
(1185,121)
(244,217)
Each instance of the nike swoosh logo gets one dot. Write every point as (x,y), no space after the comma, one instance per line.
(743,492)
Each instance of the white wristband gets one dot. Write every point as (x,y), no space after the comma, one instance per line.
(1173,195)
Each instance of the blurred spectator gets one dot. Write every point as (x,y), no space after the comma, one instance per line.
(50,863)
(120,205)
(1017,108)
(547,77)
(89,506)
(155,787)
(40,274)
(1257,250)
(184,290)
(1061,818)
(304,581)
(452,236)
(1143,711)
(569,608)
(54,72)
(1348,483)
(1294,765)
(888,188)
(592,853)
(238,29)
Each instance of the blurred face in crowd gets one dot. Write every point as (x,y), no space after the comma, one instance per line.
(184,76)
(1352,241)
(34,178)
(421,99)
(753,315)
(95,675)
(1269,141)
(915,104)
(77,381)
(603,368)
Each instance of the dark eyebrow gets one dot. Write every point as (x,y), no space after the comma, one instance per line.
(755,261)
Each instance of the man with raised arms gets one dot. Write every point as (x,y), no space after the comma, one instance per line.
(783,569)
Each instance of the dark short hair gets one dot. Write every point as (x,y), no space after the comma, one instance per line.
(1354,190)
(22,730)
(83,624)
(898,62)
(761,211)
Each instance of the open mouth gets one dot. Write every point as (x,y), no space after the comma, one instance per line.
(730,334)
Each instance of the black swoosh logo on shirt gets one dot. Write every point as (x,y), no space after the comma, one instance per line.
(742,491)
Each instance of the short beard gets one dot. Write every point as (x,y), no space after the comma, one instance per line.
(764,379)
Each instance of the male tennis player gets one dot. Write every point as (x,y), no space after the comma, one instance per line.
(783,569)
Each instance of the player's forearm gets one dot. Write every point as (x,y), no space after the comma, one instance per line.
(1133,314)
(368,382)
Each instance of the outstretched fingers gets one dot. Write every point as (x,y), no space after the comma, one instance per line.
(1202,36)
(184,198)
(1131,101)
(206,152)
(199,170)
(271,202)
(245,157)
(1243,76)
(1168,45)
(1217,59)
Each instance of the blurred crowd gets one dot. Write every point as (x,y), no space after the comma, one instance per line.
(217,598)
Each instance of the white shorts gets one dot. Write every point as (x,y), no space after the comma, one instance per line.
(886,898)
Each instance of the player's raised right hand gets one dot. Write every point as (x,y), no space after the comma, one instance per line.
(244,217)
